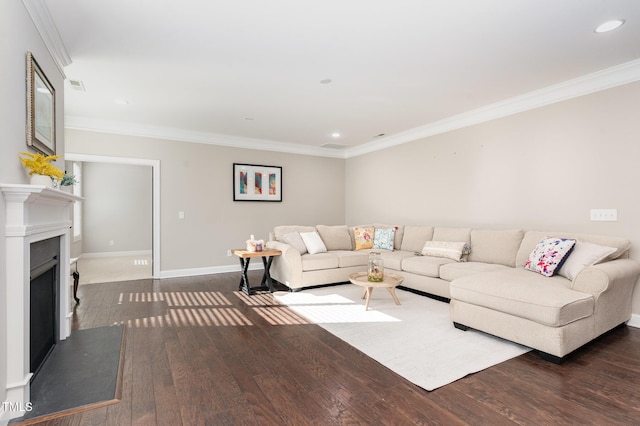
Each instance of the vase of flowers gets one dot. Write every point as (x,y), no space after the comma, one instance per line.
(41,170)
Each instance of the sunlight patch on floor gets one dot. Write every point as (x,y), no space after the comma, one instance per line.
(192,317)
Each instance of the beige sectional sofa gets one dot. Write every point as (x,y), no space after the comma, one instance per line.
(489,290)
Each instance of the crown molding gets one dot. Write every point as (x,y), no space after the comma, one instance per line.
(39,13)
(605,79)
(168,133)
(628,72)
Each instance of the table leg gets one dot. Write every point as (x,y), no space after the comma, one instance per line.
(244,280)
(76,279)
(392,292)
(266,277)
(366,304)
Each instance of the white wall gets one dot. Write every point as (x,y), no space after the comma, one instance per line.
(543,169)
(17,36)
(117,207)
(198,179)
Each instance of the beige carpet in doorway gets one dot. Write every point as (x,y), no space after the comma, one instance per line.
(117,268)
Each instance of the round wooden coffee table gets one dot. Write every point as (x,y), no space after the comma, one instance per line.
(390,282)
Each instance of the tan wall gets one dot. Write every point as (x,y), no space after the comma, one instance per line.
(17,36)
(542,169)
(198,179)
(117,208)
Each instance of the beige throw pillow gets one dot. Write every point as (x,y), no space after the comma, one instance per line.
(446,249)
(313,242)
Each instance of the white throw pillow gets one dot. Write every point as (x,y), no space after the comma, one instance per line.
(584,254)
(447,249)
(313,242)
(294,239)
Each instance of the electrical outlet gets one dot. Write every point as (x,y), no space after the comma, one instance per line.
(180,215)
(604,215)
(228,252)
(110,242)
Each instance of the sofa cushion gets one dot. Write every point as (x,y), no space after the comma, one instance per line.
(397,235)
(279,231)
(531,238)
(452,234)
(393,259)
(383,238)
(425,265)
(294,239)
(363,237)
(448,249)
(548,255)
(583,254)
(455,270)
(315,262)
(518,292)
(495,246)
(415,236)
(335,237)
(313,242)
(347,258)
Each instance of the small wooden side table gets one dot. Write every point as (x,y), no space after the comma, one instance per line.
(245,257)
(390,282)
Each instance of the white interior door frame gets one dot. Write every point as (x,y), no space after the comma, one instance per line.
(155,167)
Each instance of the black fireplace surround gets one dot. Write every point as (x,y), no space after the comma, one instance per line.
(44,300)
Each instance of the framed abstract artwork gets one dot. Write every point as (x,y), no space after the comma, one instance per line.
(252,182)
(41,109)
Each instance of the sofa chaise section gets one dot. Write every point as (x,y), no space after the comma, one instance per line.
(553,315)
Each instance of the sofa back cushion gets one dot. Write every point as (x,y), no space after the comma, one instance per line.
(279,231)
(335,237)
(495,246)
(532,238)
(415,236)
(452,234)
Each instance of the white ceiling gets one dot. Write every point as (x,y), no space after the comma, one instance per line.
(248,71)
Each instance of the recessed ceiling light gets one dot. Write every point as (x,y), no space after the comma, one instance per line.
(335,135)
(325,81)
(121,102)
(609,25)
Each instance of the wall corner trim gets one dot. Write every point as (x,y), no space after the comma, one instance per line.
(619,75)
(634,321)
(39,13)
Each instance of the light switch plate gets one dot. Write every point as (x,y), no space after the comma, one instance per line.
(604,215)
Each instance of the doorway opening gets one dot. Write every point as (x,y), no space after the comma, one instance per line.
(139,258)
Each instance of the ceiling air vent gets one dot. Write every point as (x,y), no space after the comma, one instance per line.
(333,146)
(77,85)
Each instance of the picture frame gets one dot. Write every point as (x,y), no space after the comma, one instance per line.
(252,182)
(41,109)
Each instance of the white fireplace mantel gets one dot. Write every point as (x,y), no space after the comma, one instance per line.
(33,213)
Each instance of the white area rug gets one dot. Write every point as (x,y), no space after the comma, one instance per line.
(417,339)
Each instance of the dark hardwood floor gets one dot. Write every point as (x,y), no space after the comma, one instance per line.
(197,353)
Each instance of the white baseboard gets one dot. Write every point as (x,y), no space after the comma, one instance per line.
(116,254)
(634,321)
(176,273)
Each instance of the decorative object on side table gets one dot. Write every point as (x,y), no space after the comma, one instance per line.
(41,170)
(375,272)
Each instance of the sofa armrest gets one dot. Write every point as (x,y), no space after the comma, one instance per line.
(616,275)
(611,284)
(286,268)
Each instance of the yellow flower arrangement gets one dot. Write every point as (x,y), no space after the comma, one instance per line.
(38,164)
